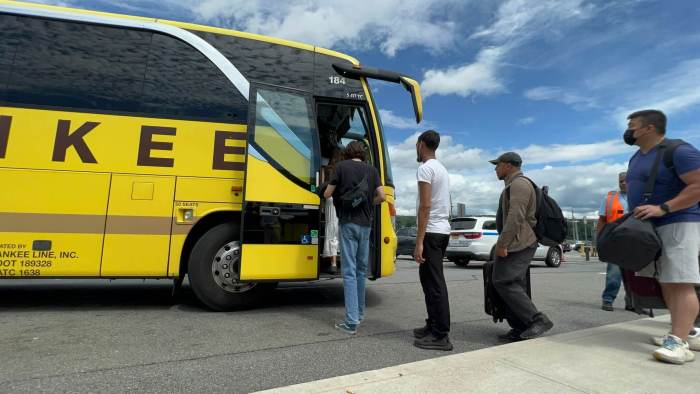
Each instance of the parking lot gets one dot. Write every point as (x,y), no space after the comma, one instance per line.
(104,336)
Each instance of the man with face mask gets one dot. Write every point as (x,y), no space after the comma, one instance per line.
(515,249)
(433,213)
(613,207)
(674,208)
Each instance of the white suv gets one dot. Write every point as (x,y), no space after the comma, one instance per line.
(474,238)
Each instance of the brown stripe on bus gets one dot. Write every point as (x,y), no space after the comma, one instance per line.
(12,222)
(144,225)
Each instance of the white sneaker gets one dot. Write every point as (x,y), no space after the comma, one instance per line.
(693,340)
(674,351)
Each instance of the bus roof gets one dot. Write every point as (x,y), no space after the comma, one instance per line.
(189,26)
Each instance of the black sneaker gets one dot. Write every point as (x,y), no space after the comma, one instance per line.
(431,342)
(512,335)
(607,306)
(538,327)
(421,332)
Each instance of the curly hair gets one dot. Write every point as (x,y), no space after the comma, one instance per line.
(355,150)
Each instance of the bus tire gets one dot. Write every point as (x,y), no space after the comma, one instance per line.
(202,268)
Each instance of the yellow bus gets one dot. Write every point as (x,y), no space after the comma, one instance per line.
(135,147)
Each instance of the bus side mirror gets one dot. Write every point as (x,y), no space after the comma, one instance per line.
(414,88)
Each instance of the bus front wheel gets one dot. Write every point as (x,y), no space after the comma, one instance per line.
(213,271)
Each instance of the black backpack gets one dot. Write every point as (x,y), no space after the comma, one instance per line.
(358,195)
(551,226)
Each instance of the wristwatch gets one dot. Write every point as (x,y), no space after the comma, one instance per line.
(664,207)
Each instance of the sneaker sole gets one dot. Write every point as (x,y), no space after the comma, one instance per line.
(661,358)
(346,331)
(659,341)
(428,347)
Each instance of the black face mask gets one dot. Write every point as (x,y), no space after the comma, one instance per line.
(629,137)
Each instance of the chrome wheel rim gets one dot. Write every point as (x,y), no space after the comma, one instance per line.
(224,269)
(555,258)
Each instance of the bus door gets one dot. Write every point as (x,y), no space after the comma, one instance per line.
(281,210)
(340,123)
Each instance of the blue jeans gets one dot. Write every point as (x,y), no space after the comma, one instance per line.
(613,279)
(354,258)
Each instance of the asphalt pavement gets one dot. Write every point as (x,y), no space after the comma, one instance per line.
(112,336)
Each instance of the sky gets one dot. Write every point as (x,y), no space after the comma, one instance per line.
(553,80)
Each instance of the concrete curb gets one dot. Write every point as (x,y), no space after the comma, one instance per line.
(614,358)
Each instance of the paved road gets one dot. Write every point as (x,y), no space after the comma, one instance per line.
(102,336)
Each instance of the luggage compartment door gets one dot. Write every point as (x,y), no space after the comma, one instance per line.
(51,222)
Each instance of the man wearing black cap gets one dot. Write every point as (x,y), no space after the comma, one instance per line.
(515,249)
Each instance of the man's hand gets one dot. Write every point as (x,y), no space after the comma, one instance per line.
(501,252)
(418,253)
(648,212)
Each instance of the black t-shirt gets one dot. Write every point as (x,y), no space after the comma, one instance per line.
(345,177)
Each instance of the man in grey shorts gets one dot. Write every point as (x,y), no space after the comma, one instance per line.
(674,208)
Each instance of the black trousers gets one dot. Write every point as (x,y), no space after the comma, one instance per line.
(510,283)
(432,279)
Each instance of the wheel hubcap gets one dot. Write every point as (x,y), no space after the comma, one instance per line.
(224,269)
(555,258)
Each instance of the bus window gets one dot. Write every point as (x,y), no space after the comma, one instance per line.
(284,134)
(8,46)
(182,83)
(76,65)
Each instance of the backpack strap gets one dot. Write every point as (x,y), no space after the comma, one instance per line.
(671,144)
(651,181)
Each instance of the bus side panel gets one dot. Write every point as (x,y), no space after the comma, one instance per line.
(201,196)
(388,252)
(137,235)
(51,222)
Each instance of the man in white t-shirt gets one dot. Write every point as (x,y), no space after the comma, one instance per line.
(433,213)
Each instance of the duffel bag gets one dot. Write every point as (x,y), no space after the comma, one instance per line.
(629,242)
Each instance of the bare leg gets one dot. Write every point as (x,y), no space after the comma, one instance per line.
(682,302)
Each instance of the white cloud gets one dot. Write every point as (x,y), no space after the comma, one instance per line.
(390,25)
(358,24)
(399,122)
(474,78)
(553,93)
(516,23)
(523,19)
(539,154)
(526,120)
(672,92)
(473,181)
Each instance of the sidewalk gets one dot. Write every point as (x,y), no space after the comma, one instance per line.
(608,359)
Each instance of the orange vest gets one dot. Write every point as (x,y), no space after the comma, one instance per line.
(613,207)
